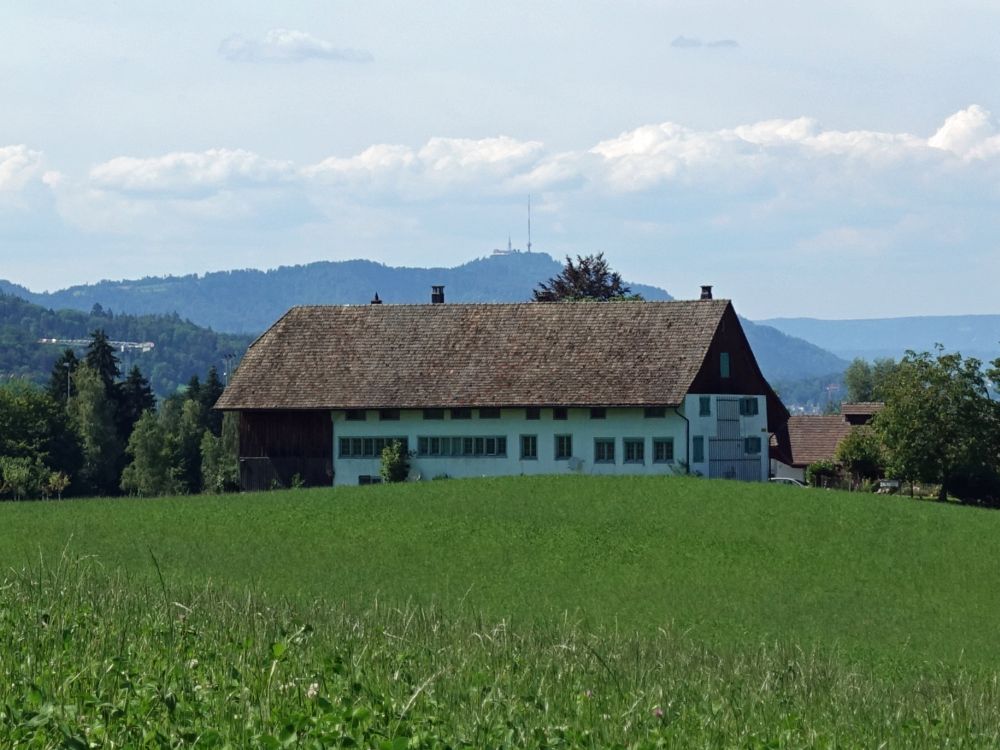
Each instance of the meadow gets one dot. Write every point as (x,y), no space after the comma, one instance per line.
(517,612)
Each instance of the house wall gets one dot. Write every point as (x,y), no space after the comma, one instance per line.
(779,469)
(708,427)
(619,424)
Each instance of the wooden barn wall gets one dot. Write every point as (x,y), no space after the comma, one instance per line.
(275,446)
(744,374)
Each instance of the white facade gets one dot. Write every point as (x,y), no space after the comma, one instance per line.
(623,441)
(779,469)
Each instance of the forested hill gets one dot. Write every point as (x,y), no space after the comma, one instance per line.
(182,348)
(972,335)
(248,300)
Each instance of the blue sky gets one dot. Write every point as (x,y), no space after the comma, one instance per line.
(839,161)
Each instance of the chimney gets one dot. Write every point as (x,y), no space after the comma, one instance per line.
(706,291)
(437,295)
(376,300)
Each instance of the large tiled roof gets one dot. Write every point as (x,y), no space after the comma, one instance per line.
(419,356)
(807,438)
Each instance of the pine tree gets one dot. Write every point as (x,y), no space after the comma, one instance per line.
(135,396)
(210,392)
(61,380)
(102,359)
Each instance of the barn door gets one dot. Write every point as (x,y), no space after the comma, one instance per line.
(727,457)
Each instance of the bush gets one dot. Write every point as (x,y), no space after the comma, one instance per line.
(395,463)
(823,474)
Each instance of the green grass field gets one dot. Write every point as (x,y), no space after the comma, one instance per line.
(515,612)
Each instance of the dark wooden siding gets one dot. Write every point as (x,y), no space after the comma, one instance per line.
(745,376)
(277,445)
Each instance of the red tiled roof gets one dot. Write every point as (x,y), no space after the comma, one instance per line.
(528,354)
(807,438)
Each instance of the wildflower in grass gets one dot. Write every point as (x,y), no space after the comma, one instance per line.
(658,712)
(312,691)
(192,664)
(588,694)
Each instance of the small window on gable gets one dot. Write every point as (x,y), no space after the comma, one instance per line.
(749,407)
(489,413)
(598,412)
(655,412)
(751,445)
(356,415)
(433,413)
(704,406)
(724,364)
(461,413)
(559,412)
(533,412)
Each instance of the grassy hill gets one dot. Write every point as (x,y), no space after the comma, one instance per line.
(519,612)
(886,576)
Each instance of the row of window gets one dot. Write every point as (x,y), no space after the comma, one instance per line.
(531,412)
(748,406)
(633,449)
(355,447)
(462,446)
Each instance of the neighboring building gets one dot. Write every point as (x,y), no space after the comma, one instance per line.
(502,389)
(807,438)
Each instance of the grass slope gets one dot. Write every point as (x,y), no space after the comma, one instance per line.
(885,579)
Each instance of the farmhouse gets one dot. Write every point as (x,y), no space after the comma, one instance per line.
(501,389)
(808,438)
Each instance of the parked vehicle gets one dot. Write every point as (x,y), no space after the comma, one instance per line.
(789,481)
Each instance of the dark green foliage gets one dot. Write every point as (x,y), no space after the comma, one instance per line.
(210,392)
(868,382)
(35,427)
(151,470)
(101,359)
(93,416)
(61,380)
(395,466)
(135,396)
(861,455)
(823,474)
(939,425)
(181,350)
(589,278)
(220,471)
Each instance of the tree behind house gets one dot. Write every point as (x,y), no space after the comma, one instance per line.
(589,278)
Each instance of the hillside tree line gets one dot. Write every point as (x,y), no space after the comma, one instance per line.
(94,431)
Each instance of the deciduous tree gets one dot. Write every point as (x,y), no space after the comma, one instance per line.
(939,425)
(589,278)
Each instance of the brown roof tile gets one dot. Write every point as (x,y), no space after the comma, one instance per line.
(806,438)
(418,356)
(861,408)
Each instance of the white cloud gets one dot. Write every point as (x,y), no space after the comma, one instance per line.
(970,133)
(18,165)
(287,45)
(189,171)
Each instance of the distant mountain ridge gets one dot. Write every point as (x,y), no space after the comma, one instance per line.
(248,301)
(972,335)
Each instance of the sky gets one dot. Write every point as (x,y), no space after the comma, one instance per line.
(831,160)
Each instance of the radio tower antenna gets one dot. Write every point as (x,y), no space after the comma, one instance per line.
(529,222)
